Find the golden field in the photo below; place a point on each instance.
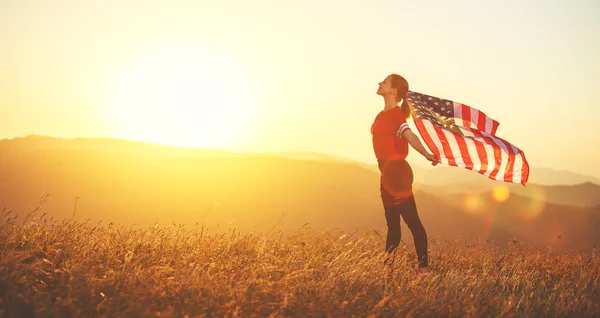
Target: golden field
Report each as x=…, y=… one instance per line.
x=70, y=268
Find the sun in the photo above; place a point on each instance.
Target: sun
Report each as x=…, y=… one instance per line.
x=186, y=98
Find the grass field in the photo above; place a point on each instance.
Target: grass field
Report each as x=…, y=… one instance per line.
x=69, y=268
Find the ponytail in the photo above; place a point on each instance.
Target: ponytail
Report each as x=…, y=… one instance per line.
x=401, y=86
x=405, y=108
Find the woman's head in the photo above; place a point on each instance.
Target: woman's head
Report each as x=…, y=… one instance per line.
x=396, y=87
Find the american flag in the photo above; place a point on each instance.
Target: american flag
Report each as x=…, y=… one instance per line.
x=465, y=137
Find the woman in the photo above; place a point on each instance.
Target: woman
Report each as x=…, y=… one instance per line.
x=391, y=137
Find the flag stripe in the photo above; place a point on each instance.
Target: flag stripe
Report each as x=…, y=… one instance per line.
x=458, y=111
x=474, y=118
x=428, y=140
x=497, y=151
x=517, y=169
x=524, y=168
x=472, y=148
x=466, y=116
x=508, y=172
x=464, y=151
x=519, y=163
x=481, y=122
x=489, y=124
x=445, y=145
x=481, y=153
x=487, y=167
x=495, y=125
x=455, y=147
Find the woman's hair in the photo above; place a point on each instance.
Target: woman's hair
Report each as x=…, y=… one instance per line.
x=401, y=86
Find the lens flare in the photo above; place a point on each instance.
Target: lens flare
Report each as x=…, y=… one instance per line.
x=501, y=193
x=474, y=204
x=536, y=204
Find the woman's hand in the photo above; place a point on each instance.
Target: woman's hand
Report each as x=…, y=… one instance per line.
x=431, y=157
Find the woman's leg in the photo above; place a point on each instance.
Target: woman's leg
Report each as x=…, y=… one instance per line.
x=398, y=200
x=408, y=209
x=392, y=218
x=392, y=215
x=394, y=185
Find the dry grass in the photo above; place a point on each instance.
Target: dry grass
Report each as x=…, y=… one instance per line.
x=69, y=268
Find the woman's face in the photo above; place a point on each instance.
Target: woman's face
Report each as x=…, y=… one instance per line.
x=385, y=87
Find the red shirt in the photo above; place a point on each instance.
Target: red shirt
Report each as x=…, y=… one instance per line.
x=386, y=144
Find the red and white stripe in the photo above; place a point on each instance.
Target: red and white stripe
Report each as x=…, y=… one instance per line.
x=404, y=127
x=478, y=149
x=471, y=117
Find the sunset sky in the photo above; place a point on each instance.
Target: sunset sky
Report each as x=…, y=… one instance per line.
x=272, y=75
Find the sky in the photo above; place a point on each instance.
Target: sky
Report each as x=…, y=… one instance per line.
x=272, y=75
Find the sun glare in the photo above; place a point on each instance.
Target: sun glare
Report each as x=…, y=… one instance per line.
x=501, y=193
x=474, y=204
x=184, y=98
x=536, y=204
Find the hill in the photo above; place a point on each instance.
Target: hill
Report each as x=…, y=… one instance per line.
x=445, y=175
x=579, y=195
x=128, y=183
x=536, y=222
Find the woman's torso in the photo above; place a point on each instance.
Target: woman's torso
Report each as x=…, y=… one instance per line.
x=386, y=145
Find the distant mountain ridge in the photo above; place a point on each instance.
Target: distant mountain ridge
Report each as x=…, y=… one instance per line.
x=438, y=176
x=100, y=183
x=544, y=176
x=580, y=195
x=138, y=148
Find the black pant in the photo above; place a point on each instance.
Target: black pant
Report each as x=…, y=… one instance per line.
x=408, y=210
x=398, y=200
